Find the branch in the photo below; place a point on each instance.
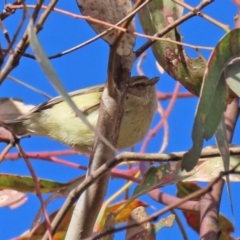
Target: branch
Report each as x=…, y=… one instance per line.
x=170, y=206
x=209, y=212
x=38, y=189
x=8, y=10
x=167, y=199
x=225, y=27
x=124, y=157
x=23, y=44
x=154, y=131
x=111, y=27
x=109, y=120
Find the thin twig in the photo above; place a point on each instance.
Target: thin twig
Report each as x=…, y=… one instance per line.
x=165, y=96
x=29, y=86
x=112, y=26
x=127, y=156
x=21, y=47
x=225, y=27
x=165, y=127
x=5, y=151
x=171, y=206
x=9, y=49
x=139, y=64
x=8, y=10
x=13, y=156
x=161, y=122
x=180, y=225
x=166, y=199
x=38, y=189
x=37, y=219
x=90, y=202
x=5, y=32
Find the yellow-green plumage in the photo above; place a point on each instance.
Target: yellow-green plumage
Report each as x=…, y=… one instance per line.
x=55, y=119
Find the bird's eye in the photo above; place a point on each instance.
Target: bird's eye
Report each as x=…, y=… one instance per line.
x=139, y=86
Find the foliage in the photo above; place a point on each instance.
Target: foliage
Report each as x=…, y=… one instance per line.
x=215, y=82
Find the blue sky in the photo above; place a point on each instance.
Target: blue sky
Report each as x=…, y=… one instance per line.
x=86, y=67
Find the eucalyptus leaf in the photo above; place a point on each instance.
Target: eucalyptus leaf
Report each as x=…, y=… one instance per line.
x=214, y=96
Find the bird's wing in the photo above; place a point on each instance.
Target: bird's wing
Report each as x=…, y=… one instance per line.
x=56, y=100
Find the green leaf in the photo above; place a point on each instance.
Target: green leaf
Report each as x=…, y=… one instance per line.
x=167, y=173
x=222, y=143
x=232, y=73
x=71, y=185
x=26, y=184
x=157, y=15
x=214, y=96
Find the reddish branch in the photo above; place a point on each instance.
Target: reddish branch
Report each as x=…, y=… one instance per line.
x=209, y=212
x=154, y=131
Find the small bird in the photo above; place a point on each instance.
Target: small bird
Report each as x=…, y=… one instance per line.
x=55, y=119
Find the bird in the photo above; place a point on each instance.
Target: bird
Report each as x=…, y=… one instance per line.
x=56, y=119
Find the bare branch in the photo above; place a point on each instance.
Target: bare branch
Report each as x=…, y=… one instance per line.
x=21, y=47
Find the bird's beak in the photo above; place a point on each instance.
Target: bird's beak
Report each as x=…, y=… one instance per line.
x=154, y=80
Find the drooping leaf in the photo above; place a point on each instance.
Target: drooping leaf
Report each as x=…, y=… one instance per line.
x=214, y=97
x=157, y=15
x=222, y=143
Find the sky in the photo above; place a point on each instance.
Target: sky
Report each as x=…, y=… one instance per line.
x=87, y=67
